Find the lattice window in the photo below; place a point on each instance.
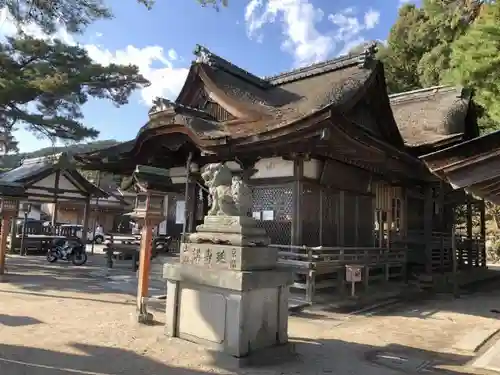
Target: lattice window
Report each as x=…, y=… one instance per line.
x=275, y=202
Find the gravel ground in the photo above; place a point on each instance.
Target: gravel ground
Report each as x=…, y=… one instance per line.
x=62, y=320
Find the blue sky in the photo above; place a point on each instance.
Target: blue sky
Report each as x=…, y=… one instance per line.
x=263, y=36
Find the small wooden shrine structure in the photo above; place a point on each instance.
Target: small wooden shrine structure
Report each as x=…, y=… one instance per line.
x=51, y=179
x=327, y=154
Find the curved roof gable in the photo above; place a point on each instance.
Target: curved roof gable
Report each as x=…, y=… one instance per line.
x=259, y=105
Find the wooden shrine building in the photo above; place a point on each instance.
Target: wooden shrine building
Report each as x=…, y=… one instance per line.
x=51, y=179
x=332, y=160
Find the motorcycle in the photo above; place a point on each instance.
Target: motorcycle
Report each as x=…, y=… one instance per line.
x=71, y=250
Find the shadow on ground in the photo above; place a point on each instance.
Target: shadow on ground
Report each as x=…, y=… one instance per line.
x=33, y=274
x=312, y=357
x=18, y=321
x=321, y=357
x=422, y=305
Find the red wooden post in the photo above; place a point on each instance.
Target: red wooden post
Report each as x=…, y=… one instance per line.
x=144, y=264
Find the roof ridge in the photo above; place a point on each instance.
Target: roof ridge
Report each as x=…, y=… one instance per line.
x=406, y=94
x=47, y=158
x=361, y=59
x=205, y=56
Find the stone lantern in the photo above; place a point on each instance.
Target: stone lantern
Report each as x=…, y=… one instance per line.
x=151, y=185
x=149, y=205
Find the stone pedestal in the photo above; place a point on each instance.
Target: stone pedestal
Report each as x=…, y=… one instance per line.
x=227, y=292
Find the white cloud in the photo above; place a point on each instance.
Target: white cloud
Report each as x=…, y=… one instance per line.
x=301, y=37
x=166, y=81
x=372, y=18
x=299, y=17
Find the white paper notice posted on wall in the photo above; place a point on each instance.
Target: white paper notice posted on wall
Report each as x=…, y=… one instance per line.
x=180, y=210
x=257, y=215
x=268, y=215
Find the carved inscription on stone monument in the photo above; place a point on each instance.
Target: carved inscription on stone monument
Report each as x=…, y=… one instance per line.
x=220, y=257
x=208, y=256
x=196, y=256
x=232, y=263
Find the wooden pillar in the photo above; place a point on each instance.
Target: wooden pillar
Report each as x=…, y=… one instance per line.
x=428, y=216
x=297, y=201
x=341, y=212
x=86, y=211
x=482, y=244
x=321, y=215
x=404, y=230
x=191, y=204
x=404, y=215
x=13, y=231
x=4, y=233
x=390, y=209
x=56, y=203
x=469, y=231
x=205, y=204
x=356, y=221
x=442, y=226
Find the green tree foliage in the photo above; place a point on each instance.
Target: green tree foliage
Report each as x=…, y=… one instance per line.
x=442, y=42
x=419, y=43
x=44, y=82
x=475, y=59
x=74, y=15
x=57, y=78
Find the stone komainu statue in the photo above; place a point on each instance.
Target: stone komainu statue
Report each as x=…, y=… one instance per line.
x=230, y=195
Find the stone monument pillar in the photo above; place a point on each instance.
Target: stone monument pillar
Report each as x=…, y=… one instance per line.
x=227, y=291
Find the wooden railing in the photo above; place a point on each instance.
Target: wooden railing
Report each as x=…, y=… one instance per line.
x=442, y=250
x=471, y=252
x=320, y=268
x=38, y=229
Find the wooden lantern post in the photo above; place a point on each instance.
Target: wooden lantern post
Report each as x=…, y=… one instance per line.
x=8, y=209
x=151, y=184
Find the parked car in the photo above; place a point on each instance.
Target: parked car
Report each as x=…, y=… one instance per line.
x=78, y=229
